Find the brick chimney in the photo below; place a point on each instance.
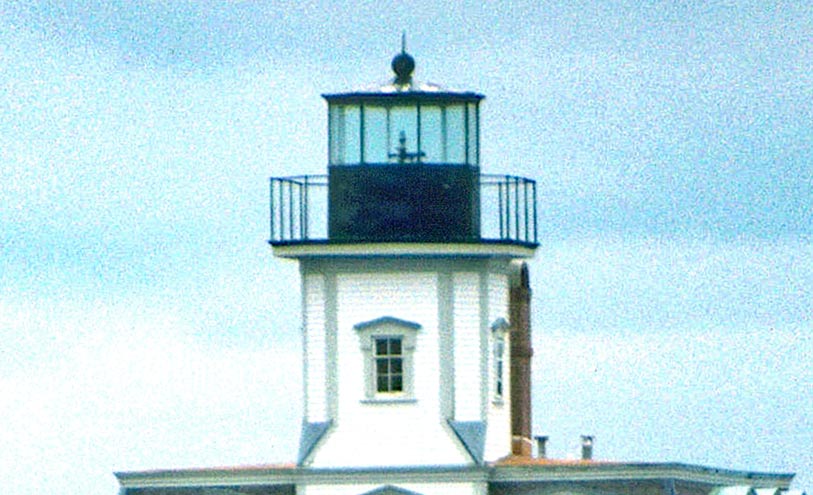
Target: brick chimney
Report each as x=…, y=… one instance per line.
x=587, y=447
x=521, y=352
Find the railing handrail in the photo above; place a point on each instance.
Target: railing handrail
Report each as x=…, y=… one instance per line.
x=291, y=202
x=302, y=179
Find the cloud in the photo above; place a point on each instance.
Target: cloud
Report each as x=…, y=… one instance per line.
x=138, y=391
x=145, y=322
x=662, y=283
x=724, y=397
x=675, y=350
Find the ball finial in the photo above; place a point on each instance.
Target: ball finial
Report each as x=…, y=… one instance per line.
x=403, y=64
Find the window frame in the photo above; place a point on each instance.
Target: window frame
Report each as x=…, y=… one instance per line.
x=380, y=328
x=393, y=379
x=500, y=331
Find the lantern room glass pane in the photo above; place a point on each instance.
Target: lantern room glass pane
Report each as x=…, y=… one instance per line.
x=375, y=134
x=473, y=137
x=456, y=133
x=335, y=133
x=345, y=142
x=432, y=134
x=352, y=149
x=403, y=125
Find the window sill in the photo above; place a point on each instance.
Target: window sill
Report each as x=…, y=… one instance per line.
x=499, y=402
x=390, y=400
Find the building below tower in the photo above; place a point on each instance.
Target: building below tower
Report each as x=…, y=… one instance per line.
x=416, y=309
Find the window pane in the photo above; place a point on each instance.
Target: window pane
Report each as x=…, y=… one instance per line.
x=456, y=134
x=389, y=365
x=352, y=135
x=395, y=347
x=336, y=131
x=344, y=134
x=432, y=135
x=375, y=135
x=403, y=124
x=472, y=135
x=499, y=356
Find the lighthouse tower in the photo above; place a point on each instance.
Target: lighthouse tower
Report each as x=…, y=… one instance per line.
x=405, y=298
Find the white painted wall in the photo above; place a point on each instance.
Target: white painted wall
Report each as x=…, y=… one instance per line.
x=391, y=434
x=314, y=348
x=497, y=296
x=498, y=433
x=415, y=433
x=467, y=353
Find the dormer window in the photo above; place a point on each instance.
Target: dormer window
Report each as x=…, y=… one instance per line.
x=387, y=346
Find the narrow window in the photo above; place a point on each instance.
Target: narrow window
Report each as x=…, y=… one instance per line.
x=499, y=336
x=389, y=365
x=499, y=359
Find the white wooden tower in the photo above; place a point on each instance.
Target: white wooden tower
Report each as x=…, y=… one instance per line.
x=405, y=296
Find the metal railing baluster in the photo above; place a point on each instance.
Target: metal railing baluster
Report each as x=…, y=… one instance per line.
x=292, y=201
x=508, y=207
x=271, y=207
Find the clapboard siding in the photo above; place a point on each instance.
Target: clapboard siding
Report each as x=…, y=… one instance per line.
x=365, y=297
x=497, y=296
x=314, y=348
x=388, y=434
x=467, y=354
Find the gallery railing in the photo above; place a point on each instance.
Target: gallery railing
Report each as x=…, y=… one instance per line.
x=299, y=209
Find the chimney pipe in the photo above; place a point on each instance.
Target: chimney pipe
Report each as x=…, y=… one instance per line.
x=541, y=447
x=519, y=312
x=587, y=447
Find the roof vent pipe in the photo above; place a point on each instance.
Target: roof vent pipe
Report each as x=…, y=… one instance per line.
x=587, y=447
x=541, y=447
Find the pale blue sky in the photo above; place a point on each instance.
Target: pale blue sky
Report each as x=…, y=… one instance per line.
x=146, y=323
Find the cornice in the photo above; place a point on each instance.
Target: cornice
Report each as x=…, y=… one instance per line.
x=284, y=475
x=553, y=471
x=599, y=471
x=336, y=250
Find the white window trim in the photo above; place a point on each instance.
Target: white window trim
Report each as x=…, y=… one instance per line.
x=388, y=327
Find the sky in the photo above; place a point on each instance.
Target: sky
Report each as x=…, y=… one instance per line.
x=146, y=323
